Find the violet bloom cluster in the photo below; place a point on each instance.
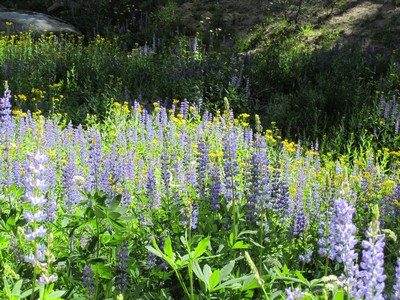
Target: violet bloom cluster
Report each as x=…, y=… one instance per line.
x=260, y=194
x=341, y=240
x=396, y=287
x=371, y=282
x=36, y=187
x=122, y=266
x=231, y=166
x=88, y=280
x=293, y=295
x=5, y=107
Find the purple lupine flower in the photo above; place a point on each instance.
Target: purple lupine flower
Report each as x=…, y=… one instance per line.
x=260, y=194
x=87, y=279
x=154, y=201
x=299, y=221
x=215, y=187
x=44, y=279
x=184, y=108
x=35, y=190
x=279, y=195
x=16, y=168
x=322, y=242
x=307, y=257
x=94, y=160
x=51, y=205
x=396, y=287
x=231, y=166
x=371, y=277
x=293, y=295
x=203, y=162
x=73, y=196
x=165, y=167
x=112, y=172
x=194, y=216
x=5, y=107
x=341, y=241
x=122, y=266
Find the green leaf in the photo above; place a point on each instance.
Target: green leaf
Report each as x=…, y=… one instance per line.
x=154, y=251
x=275, y=294
x=231, y=239
x=17, y=287
x=157, y=251
x=226, y=270
x=113, y=215
x=339, y=295
x=302, y=278
x=247, y=232
x=99, y=212
x=197, y=270
x=390, y=234
x=99, y=259
x=214, y=279
x=168, y=248
x=290, y=279
x=28, y=292
x=7, y=287
x=250, y=284
x=104, y=271
x=236, y=282
x=56, y=295
x=240, y=245
x=115, y=202
x=207, y=272
x=201, y=247
x=257, y=244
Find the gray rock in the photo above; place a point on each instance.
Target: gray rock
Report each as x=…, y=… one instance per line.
x=36, y=22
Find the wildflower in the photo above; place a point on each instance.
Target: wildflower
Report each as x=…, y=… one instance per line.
x=5, y=106
x=396, y=287
x=230, y=165
x=36, y=188
x=371, y=277
x=342, y=241
x=95, y=157
x=260, y=190
x=87, y=279
x=154, y=201
x=293, y=295
x=70, y=185
x=122, y=266
x=215, y=187
x=203, y=160
x=279, y=195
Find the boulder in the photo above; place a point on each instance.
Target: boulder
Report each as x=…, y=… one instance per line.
x=13, y=21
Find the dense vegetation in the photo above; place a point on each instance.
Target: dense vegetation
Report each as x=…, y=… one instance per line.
x=195, y=167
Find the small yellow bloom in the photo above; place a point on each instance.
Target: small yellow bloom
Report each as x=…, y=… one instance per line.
x=51, y=154
x=388, y=183
x=22, y=97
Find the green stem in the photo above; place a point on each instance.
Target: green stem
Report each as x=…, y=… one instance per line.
x=190, y=265
x=260, y=241
x=96, y=290
x=35, y=273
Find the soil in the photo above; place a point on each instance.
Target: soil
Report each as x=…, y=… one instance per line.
x=373, y=23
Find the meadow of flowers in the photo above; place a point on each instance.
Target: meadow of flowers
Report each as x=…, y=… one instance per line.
x=178, y=203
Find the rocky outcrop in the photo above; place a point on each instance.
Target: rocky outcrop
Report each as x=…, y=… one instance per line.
x=12, y=21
